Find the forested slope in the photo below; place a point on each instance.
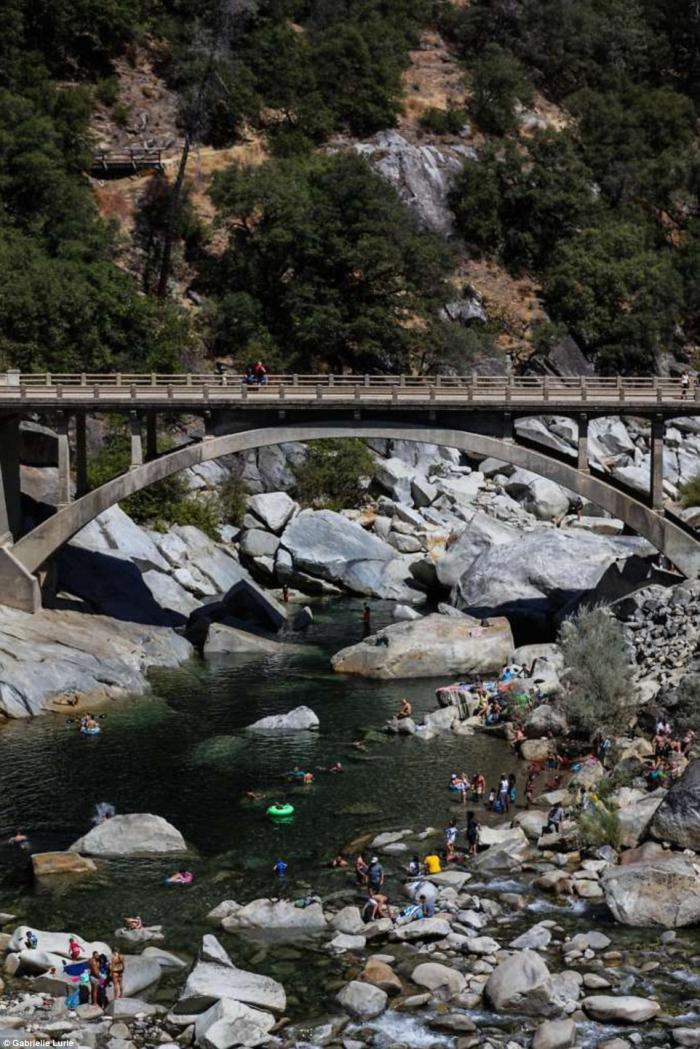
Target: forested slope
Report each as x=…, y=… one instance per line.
x=308, y=258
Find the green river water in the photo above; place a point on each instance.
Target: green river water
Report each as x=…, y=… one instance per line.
x=182, y=752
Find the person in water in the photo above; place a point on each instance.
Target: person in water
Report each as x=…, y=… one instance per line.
x=134, y=923
x=117, y=972
x=19, y=838
x=366, y=620
x=181, y=878
x=405, y=710
x=473, y=831
x=280, y=868
x=340, y=860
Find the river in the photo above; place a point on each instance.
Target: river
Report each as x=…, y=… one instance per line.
x=182, y=752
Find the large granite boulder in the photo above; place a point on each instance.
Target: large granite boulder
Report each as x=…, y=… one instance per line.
x=541, y=497
x=209, y=982
x=436, y=977
x=634, y=819
x=52, y=654
x=430, y=647
x=521, y=984
x=620, y=1008
x=46, y=864
x=133, y=834
x=274, y=509
x=225, y=640
x=330, y=546
x=364, y=1001
x=230, y=1023
x=301, y=719
x=664, y=891
x=56, y=943
x=275, y=916
x=481, y=533
x=677, y=819
x=539, y=573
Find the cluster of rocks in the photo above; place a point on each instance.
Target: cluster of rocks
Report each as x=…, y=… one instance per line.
x=621, y=447
x=662, y=627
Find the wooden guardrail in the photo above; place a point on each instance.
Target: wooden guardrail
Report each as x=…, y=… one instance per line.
x=105, y=161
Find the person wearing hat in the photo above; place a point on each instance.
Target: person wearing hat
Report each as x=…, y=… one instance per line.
x=375, y=875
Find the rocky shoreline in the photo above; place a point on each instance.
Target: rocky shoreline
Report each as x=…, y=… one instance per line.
x=521, y=949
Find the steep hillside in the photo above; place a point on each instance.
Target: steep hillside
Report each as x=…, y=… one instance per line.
x=545, y=158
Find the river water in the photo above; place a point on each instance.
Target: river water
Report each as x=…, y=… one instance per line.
x=182, y=752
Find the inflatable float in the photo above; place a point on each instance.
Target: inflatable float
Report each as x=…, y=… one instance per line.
x=280, y=813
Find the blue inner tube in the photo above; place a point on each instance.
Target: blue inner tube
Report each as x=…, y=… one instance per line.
x=91, y=731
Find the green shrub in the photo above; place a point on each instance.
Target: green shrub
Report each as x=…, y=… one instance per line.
x=121, y=114
x=233, y=496
x=443, y=121
x=333, y=473
x=107, y=90
x=498, y=82
x=598, y=826
x=162, y=504
x=690, y=492
x=598, y=676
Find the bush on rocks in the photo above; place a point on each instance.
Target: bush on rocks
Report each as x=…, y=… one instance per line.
x=598, y=674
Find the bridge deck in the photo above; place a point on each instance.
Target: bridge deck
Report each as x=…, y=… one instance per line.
x=189, y=390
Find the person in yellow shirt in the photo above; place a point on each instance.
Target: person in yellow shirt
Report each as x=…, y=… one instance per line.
x=432, y=863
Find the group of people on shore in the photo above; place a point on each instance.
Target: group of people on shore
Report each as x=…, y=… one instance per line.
x=669, y=750
x=93, y=977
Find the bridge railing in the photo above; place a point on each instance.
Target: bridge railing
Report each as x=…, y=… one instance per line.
x=181, y=385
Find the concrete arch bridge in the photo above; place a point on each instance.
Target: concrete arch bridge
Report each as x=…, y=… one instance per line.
x=473, y=414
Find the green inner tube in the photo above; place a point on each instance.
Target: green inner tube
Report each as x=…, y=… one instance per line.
x=280, y=811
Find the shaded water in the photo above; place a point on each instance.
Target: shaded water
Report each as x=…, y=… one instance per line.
x=182, y=752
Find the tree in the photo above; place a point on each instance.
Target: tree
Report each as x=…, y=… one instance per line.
x=498, y=82
x=599, y=690
x=325, y=263
x=618, y=293
x=334, y=473
x=520, y=202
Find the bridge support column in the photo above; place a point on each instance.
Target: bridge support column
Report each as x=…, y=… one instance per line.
x=82, y=486
x=582, y=454
x=10, y=505
x=507, y=426
x=63, y=460
x=151, y=436
x=657, y=462
x=136, y=442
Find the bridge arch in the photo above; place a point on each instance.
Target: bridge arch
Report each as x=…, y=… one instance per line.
x=33, y=549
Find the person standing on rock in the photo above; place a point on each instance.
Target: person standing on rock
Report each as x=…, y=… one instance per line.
x=375, y=875
x=94, y=969
x=361, y=869
x=117, y=972
x=450, y=839
x=473, y=830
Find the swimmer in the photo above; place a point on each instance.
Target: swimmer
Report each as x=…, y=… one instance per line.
x=405, y=710
x=339, y=861
x=18, y=838
x=180, y=878
x=252, y=795
x=134, y=923
x=280, y=868
x=336, y=768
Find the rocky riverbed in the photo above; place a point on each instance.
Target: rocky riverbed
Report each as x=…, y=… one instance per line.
x=522, y=949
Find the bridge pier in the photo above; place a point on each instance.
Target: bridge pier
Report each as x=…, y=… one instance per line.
x=657, y=462
x=82, y=485
x=64, y=493
x=136, y=441
x=151, y=436
x=10, y=502
x=582, y=444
